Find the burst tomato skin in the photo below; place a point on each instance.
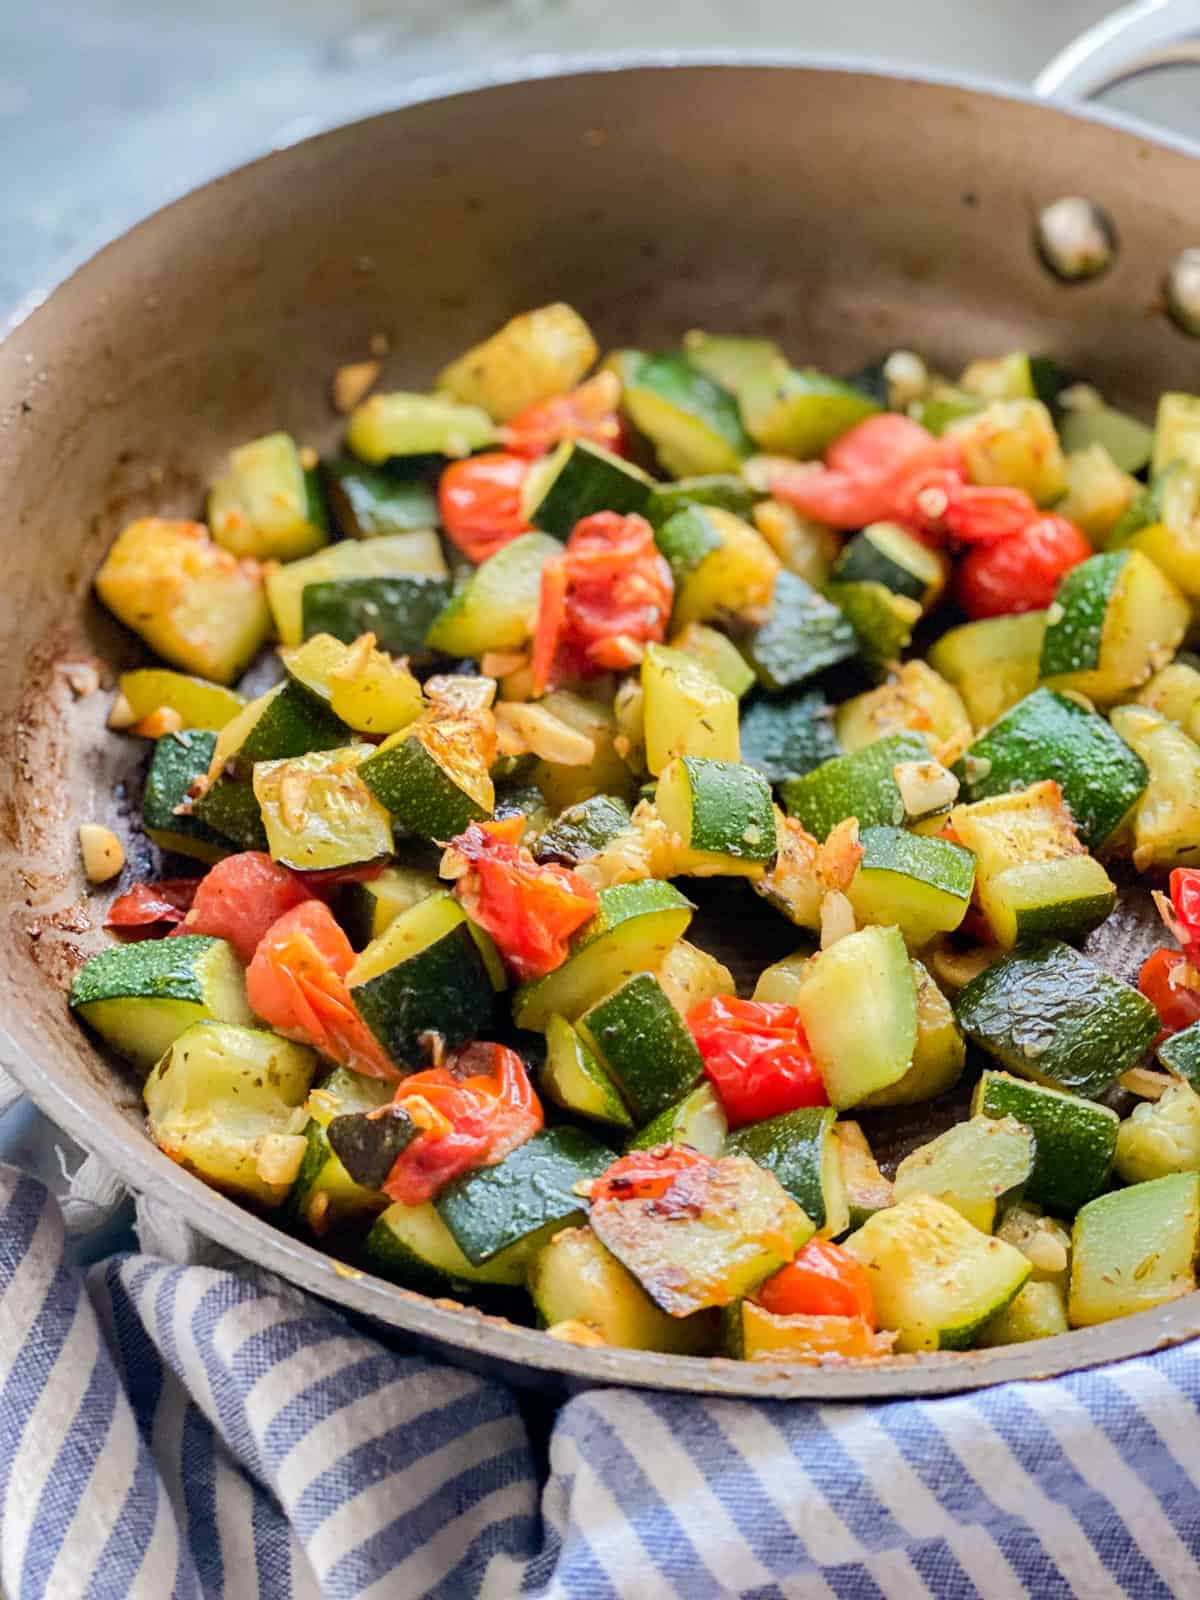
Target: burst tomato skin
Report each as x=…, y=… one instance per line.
x=646, y=1174
x=149, y=905
x=822, y=1281
x=605, y=597
x=297, y=984
x=473, y=1111
x=1022, y=571
x=530, y=910
x=756, y=1058
x=241, y=897
x=479, y=500
x=1176, y=1001
x=588, y=412
x=876, y=472
x=1185, y=907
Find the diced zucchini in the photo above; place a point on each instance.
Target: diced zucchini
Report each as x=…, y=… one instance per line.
x=1115, y=621
x=693, y=423
x=324, y=1194
x=999, y=378
x=288, y=720
x=1166, y=820
x=939, y=1055
x=936, y=1279
x=533, y=357
x=861, y=785
x=370, y=503
x=582, y=831
x=779, y=984
x=575, y=1080
x=398, y=611
x=1038, y=1311
x=804, y=546
x=221, y=1102
x=432, y=776
x=1176, y=431
x=363, y=686
x=1013, y=442
x=635, y=926
x=686, y=712
x=423, y=984
x=582, y=478
x=1035, y=879
x=228, y=809
x=719, y=1230
x=800, y=1149
x=944, y=405
x=403, y=424
x=643, y=1045
x=264, y=505
x=318, y=813
x=993, y=663
x=402, y=555
x=730, y=359
x=697, y=1121
x=1134, y=1249
x=971, y=1166
x=858, y=1005
x=1160, y=1136
x=1174, y=692
x=1076, y=1138
x=922, y=886
x=140, y=997
x=1163, y=523
x=1049, y=1014
x=179, y=761
x=412, y=1246
x=797, y=412
x=367, y=909
x=496, y=608
x=883, y=622
x=199, y=704
x=914, y=698
x=788, y=736
x=867, y=1190
x=537, y=1186
x=575, y=1279
x=886, y=553
x=1050, y=735
x=690, y=976
x=194, y=604
x=369, y=1144
x=1098, y=492
x=803, y=634
x=1180, y=1054
x=717, y=654
x=722, y=814
x=721, y=566
x=605, y=773
x=751, y=1333
x=1126, y=441
x=726, y=490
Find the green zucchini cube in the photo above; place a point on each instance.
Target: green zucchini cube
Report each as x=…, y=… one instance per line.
x=643, y=1044
x=1134, y=1249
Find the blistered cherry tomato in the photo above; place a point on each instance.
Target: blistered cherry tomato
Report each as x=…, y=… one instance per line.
x=756, y=1058
x=822, y=1281
x=149, y=905
x=241, y=897
x=1021, y=572
x=1166, y=980
x=480, y=502
x=646, y=1174
x=589, y=412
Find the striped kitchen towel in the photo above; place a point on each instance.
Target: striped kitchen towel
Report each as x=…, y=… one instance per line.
x=186, y=1432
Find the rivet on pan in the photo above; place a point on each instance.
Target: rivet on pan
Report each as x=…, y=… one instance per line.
x=1075, y=238
x=1181, y=289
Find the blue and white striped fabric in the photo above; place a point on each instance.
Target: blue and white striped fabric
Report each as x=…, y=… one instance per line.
x=182, y=1432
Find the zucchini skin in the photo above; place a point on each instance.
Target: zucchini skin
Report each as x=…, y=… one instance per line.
x=1049, y=1014
x=793, y=1147
x=788, y=736
x=178, y=760
x=1076, y=1138
x=644, y=1045
x=725, y=490
x=443, y=988
x=153, y=969
x=804, y=634
x=398, y=611
x=859, y=785
x=582, y=831
x=587, y=479
x=370, y=503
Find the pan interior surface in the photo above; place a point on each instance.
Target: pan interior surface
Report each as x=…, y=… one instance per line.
x=842, y=213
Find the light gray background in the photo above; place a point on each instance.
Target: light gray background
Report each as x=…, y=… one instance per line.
x=109, y=108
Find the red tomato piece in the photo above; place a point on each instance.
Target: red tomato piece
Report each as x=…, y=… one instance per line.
x=1021, y=572
x=646, y=1174
x=146, y=904
x=756, y=1058
x=297, y=984
x=530, y=910
x=589, y=412
x=241, y=897
x=480, y=502
x=608, y=596
x=877, y=444
x=977, y=513
x=1172, y=986
x=472, y=1111
x=1185, y=909
x=874, y=473
x=822, y=1281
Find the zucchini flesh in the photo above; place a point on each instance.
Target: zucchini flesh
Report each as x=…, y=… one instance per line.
x=324, y=1194
x=939, y=1055
x=1076, y=1138
x=1038, y=1311
x=882, y=622
x=1013, y=442
x=574, y=1278
x=800, y=1149
x=1127, y=442
x=722, y=814
x=861, y=785
x=693, y=424
x=412, y=1246
x=574, y=1079
x=686, y=712
x=797, y=412
x=803, y=635
x=993, y=663
x=533, y=357
x=690, y=976
x=721, y=566
x=1047, y=1013
x=1174, y=692
x=1160, y=1136
x=698, y=1121
x=858, y=1004
x=717, y=654
x=199, y=704
x=1176, y=431
x=368, y=909
x=402, y=555
x=867, y=1190
x=643, y=1045
x=887, y=553
x=1098, y=493
x=261, y=506
x=728, y=491
x=496, y=608
x=1166, y=821
x=922, y=886
x=1134, y=1249
x=318, y=813
x=219, y=1095
x=402, y=424
x=1116, y=619
x=914, y=698
x=972, y=1166
x=935, y=1279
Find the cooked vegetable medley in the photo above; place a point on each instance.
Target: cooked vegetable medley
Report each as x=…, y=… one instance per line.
x=903, y=657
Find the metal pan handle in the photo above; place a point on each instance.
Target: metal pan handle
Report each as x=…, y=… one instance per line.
x=1138, y=38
